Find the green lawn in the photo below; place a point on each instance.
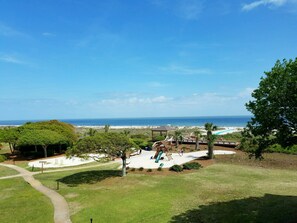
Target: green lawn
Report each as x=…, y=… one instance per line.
x=218, y=193
x=20, y=203
x=5, y=171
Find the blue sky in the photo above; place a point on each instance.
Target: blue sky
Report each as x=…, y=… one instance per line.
x=148, y=58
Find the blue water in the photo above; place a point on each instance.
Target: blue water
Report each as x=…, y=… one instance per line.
x=226, y=121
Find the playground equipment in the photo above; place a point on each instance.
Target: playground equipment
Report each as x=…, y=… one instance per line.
x=159, y=156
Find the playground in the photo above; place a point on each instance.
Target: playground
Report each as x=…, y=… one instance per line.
x=146, y=158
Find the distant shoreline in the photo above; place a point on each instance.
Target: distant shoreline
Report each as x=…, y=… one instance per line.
x=189, y=122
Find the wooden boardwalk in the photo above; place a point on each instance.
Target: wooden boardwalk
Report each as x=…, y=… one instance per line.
x=216, y=143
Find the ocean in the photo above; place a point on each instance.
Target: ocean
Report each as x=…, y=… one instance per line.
x=222, y=121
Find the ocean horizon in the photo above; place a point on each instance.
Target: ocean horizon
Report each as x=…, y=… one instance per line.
x=222, y=121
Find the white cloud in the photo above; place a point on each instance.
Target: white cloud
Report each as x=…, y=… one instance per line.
x=135, y=100
x=185, y=9
x=157, y=84
x=247, y=92
x=11, y=59
x=183, y=70
x=255, y=4
x=9, y=31
x=48, y=34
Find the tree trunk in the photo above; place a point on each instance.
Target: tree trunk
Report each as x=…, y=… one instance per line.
x=45, y=151
x=210, y=150
x=197, y=145
x=60, y=148
x=11, y=148
x=176, y=143
x=124, y=166
x=35, y=148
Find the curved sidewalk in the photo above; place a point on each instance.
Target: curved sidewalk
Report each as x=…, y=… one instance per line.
x=61, y=209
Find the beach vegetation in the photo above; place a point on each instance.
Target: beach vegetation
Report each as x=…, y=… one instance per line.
x=274, y=107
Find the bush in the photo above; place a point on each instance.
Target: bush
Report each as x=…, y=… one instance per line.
x=133, y=169
x=149, y=170
x=159, y=138
x=176, y=168
x=2, y=158
x=159, y=168
x=141, y=169
x=277, y=148
x=190, y=166
x=127, y=168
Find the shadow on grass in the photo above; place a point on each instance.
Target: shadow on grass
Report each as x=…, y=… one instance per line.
x=89, y=177
x=270, y=208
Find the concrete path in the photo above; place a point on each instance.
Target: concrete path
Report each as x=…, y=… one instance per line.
x=61, y=209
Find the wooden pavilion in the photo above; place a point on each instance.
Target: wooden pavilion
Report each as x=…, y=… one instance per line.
x=162, y=130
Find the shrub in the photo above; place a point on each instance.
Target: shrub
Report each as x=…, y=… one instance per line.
x=277, y=148
x=133, y=169
x=176, y=168
x=149, y=170
x=159, y=138
x=127, y=168
x=190, y=166
x=2, y=158
x=159, y=168
x=141, y=169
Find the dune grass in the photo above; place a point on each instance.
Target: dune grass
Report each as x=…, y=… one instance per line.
x=19, y=202
x=218, y=193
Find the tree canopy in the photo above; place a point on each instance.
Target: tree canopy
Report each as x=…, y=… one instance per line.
x=274, y=107
x=112, y=144
x=42, y=138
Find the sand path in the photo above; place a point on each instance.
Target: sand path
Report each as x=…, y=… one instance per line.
x=61, y=209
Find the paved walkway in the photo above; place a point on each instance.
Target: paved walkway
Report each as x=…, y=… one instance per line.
x=61, y=209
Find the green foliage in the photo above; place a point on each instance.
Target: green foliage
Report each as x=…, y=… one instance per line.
x=139, y=136
x=176, y=168
x=2, y=158
x=279, y=149
x=64, y=129
x=274, y=107
x=141, y=169
x=141, y=143
x=235, y=136
x=10, y=135
x=159, y=138
x=159, y=168
x=190, y=166
x=110, y=143
x=149, y=170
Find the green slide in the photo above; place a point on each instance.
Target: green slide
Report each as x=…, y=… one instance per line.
x=159, y=157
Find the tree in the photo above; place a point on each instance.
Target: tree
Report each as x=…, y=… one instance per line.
x=197, y=134
x=65, y=129
x=209, y=127
x=112, y=144
x=274, y=107
x=177, y=136
x=91, y=132
x=10, y=135
x=42, y=138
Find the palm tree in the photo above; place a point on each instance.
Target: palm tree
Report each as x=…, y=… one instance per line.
x=177, y=136
x=197, y=134
x=209, y=127
x=106, y=128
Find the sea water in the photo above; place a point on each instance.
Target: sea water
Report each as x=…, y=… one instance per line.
x=224, y=121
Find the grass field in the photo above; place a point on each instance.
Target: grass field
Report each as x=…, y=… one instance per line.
x=218, y=193
x=4, y=171
x=19, y=203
